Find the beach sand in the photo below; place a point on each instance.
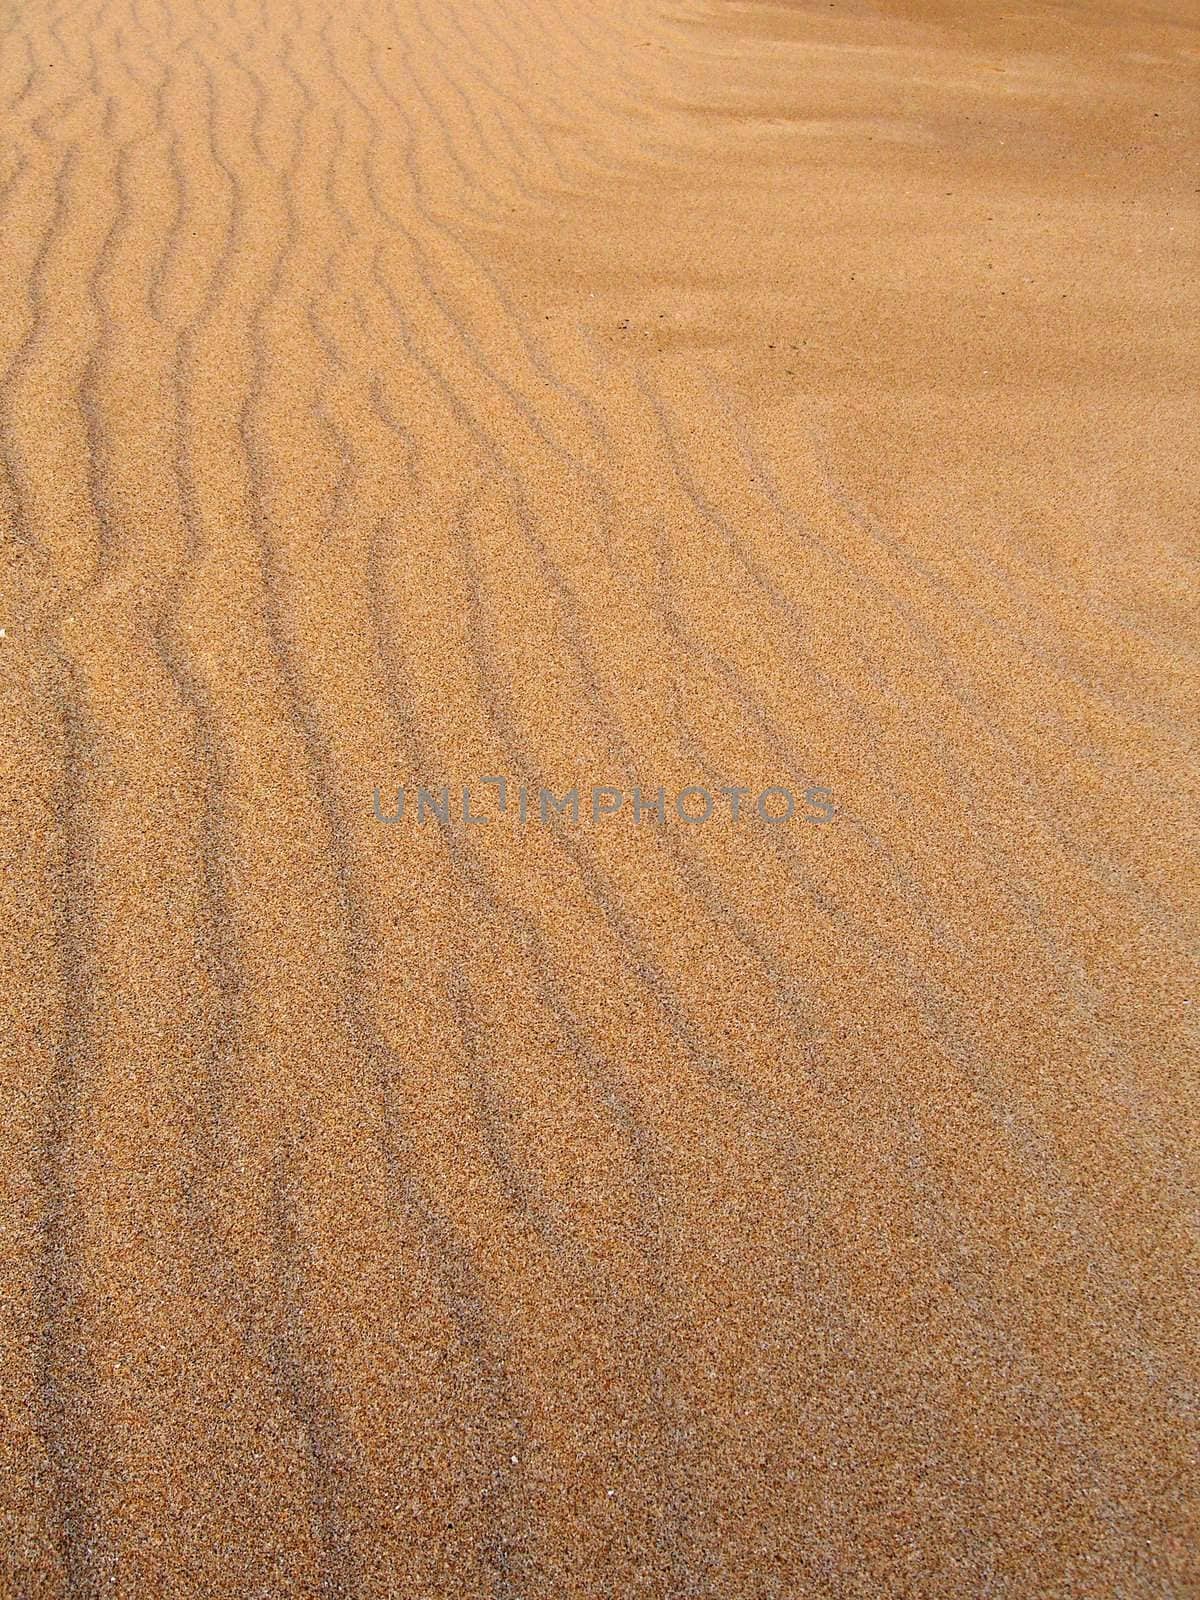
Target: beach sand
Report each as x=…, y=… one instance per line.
x=714, y=394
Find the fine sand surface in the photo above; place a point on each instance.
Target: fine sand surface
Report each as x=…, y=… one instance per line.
x=656, y=392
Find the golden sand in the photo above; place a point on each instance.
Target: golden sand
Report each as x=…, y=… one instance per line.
x=718, y=392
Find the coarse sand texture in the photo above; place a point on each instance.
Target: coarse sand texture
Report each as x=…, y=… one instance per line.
x=433, y=1164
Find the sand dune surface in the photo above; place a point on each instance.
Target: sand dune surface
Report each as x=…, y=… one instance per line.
x=765, y=403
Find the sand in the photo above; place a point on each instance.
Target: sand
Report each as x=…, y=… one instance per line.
x=720, y=393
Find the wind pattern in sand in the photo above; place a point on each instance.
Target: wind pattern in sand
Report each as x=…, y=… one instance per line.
x=399, y=392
